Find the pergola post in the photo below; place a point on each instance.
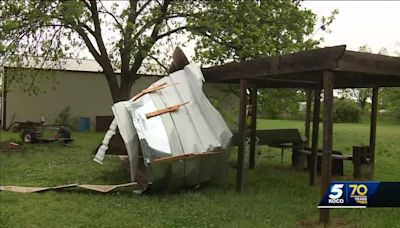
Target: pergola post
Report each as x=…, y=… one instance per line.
x=312, y=168
x=4, y=104
x=253, y=128
x=308, y=116
x=242, y=135
x=328, y=77
x=374, y=118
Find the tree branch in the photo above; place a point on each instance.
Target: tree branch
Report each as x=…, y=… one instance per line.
x=171, y=32
x=103, y=58
x=119, y=25
x=141, y=8
x=88, y=43
x=159, y=63
x=85, y=26
x=140, y=55
x=215, y=38
x=97, y=29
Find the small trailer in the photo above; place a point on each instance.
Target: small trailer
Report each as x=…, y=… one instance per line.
x=39, y=132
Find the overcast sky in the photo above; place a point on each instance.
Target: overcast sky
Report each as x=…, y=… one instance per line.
x=374, y=23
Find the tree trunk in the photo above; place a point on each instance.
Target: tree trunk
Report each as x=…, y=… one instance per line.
x=123, y=92
x=363, y=104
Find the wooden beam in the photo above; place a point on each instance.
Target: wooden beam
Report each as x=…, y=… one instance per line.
x=369, y=63
x=344, y=79
x=279, y=84
x=302, y=81
x=242, y=136
x=312, y=168
x=374, y=118
x=272, y=136
x=253, y=128
x=308, y=116
x=336, y=156
x=306, y=61
x=327, y=141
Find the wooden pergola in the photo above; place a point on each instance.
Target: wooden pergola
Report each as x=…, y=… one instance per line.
x=316, y=70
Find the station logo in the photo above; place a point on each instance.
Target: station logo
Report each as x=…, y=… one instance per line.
x=359, y=193
x=336, y=195
x=353, y=194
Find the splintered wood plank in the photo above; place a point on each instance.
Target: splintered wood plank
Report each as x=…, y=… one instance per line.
x=183, y=157
x=151, y=89
x=22, y=189
x=104, y=188
x=165, y=110
x=64, y=186
x=179, y=61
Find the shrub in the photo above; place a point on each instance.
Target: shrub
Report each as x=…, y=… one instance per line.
x=346, y=110
x=63, y=117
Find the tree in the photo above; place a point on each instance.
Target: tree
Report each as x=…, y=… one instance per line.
x=55, y=29
x=242, y=30
x=361, y=95
x=389, y=97
x=122, y=36
x=247, y=30
x=275, y=102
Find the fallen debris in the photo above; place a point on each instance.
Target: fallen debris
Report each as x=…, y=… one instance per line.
x=97, y=188
x=9, y=146
x=174, y=137
x=104, y=188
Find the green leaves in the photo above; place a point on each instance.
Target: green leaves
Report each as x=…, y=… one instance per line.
x=241, y=30
x=71, y=11
x=8, y=26
x=228, y=31
x=389, y=100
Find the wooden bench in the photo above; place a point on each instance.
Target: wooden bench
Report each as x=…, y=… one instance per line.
x=291, y=138
x=335, y=154
x=277, y=138
x=337, y=160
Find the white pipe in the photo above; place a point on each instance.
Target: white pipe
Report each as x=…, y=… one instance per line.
x=103, y=148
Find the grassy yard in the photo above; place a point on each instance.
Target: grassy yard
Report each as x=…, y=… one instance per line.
x=275, y=195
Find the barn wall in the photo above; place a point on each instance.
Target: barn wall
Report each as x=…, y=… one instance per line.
x=86, y=93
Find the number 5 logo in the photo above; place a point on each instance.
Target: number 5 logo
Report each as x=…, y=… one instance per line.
x=336, y=191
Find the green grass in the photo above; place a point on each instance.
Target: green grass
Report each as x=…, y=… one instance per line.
x=275, y=195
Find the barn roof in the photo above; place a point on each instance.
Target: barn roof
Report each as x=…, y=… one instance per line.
x=305, y=70
x=76, y=65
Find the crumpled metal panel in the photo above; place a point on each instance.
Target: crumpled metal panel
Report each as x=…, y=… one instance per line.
x=196, y=128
